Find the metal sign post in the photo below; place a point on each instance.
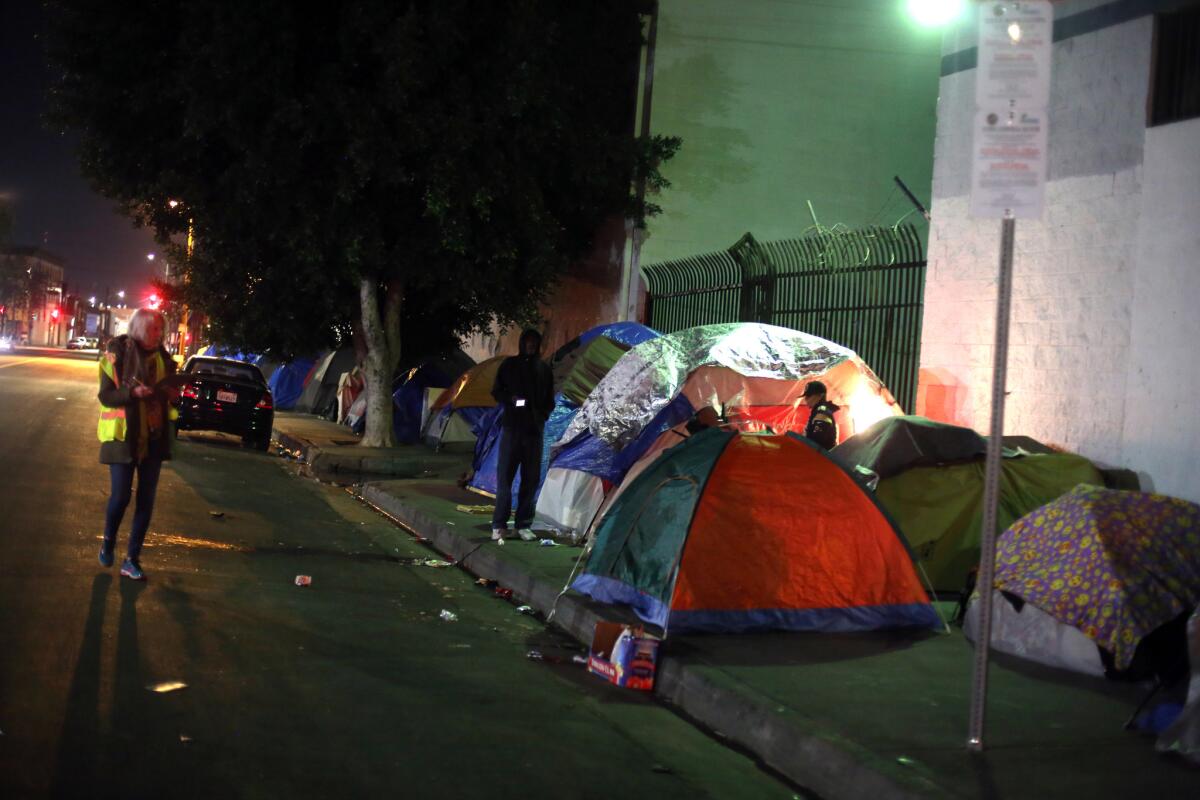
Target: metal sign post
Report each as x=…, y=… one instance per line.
x=991, y=488
x=1012, y=91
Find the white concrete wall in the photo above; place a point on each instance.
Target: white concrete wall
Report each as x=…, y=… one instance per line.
x=1081, y=273
x=1162, y=405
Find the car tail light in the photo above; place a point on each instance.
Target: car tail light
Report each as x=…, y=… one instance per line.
x=190, y=392
x=265, y=402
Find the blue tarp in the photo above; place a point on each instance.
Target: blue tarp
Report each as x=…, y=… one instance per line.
x=287, y=382
x=487, y=445
x=590, y=454
x=216, y=351
x=630, y=333
x=408, y=398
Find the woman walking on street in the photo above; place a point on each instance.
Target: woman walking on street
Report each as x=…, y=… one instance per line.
x=137, y=414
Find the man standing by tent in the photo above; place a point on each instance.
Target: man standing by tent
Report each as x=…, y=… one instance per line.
x=524, y=388
x=821, y=427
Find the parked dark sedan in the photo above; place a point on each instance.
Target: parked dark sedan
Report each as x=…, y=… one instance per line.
x=219, y=394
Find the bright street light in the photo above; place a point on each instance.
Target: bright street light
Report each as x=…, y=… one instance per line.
x=149, y=256
x=91, y=301
x=934, y=12
x=121, y=294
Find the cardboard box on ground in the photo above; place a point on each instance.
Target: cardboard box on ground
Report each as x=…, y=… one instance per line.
x=624, y=655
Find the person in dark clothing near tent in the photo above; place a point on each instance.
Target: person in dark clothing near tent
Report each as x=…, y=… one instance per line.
x=822, y=427
x=524, y=388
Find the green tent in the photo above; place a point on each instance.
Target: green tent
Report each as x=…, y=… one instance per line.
x=939, y=509
x=894, y=444
x=590, y=363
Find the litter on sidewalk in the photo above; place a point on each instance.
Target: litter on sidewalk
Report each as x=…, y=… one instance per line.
x=436, y=563
x=476, y=509
x=303, y=580
x=166, y=686
x=538, y=655
x=448, y=615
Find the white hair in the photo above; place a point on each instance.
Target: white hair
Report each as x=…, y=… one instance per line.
x=141, y=320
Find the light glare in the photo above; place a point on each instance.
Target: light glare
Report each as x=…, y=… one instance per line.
x=934, y=12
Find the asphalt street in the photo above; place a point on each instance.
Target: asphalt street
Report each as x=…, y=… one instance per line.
x=354, y=686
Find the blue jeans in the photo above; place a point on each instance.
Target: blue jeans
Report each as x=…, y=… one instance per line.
x=118, y=501
x=523, y=450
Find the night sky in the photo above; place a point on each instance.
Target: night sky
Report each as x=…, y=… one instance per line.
x=52, y=205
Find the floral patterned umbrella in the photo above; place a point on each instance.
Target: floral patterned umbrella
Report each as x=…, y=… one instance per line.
x=1114, y=564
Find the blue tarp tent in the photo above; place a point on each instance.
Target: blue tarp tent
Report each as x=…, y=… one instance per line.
x=287, y=382
x=408, y=399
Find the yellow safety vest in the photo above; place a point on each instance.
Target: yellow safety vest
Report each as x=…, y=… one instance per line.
x=111, y=427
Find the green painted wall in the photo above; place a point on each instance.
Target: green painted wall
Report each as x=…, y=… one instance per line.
x=783, y=101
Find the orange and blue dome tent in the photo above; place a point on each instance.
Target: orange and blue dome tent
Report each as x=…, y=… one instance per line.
x=730, y=532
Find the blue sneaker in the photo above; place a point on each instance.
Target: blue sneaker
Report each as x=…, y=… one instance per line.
x=131, y=569
x=106, y=555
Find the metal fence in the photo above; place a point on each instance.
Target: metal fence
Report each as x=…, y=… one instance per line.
x=861, y=288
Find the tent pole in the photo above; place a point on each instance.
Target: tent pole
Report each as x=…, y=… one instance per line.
x=991, y=486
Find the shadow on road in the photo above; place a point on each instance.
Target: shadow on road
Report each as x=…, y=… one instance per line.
x=79, y=750
x=90, y=744
x=128, y=711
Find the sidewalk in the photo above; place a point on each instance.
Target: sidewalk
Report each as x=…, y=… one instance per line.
x=332, y=451
x=845, y=716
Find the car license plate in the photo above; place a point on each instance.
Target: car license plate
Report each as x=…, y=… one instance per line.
x=226, y=397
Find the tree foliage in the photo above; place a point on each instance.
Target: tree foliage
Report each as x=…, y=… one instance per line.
x=384, y=166
x=463, y=149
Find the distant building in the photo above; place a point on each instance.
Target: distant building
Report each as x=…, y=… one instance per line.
x=33, y=310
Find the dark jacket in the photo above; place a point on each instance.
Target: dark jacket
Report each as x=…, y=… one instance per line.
x=121, y=396
x=821, y=427
x=525, y=388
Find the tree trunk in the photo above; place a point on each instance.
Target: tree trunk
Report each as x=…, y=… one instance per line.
x=382, y=335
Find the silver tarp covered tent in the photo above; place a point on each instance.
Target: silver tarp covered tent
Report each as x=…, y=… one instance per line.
x=650, y=375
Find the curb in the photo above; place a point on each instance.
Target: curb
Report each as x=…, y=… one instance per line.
x=342, y=464
x=306, y=448
x=833, y=768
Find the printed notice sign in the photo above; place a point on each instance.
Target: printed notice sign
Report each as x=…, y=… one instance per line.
x=1014, y=54
x=1009, y=165
x=1012, y=93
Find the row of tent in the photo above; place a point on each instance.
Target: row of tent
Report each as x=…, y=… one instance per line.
x=623, y=393
x=311, y=385
x=625, y=396
x=678, y=457
x=855, y=539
